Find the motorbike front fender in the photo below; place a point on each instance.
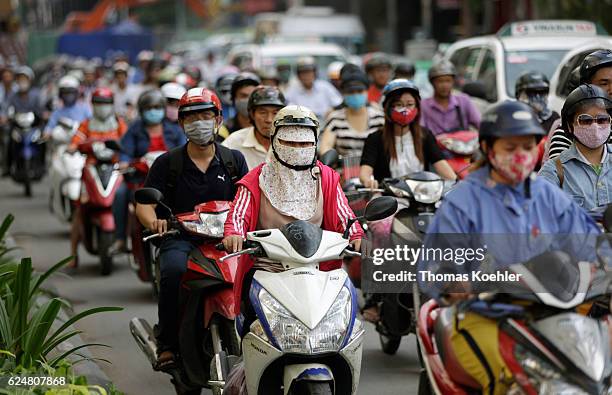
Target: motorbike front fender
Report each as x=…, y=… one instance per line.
x=105, y=221
x=306, y=371
x=221, y=302
x=72, y=189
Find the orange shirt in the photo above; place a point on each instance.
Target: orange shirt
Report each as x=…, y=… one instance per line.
x=83, y=134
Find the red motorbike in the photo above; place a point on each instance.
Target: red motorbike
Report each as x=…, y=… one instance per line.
x=100, y=180
x=458, y=148
x=142, y=252
x=208, y=342
x=552, y=332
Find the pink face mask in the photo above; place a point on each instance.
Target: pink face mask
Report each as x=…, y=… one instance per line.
x=516, y=166
x=403, y=116
x=592, y=136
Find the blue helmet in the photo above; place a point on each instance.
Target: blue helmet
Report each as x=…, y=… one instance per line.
x=398, y=86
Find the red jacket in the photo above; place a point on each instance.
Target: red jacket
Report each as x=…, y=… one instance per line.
x=244, y=212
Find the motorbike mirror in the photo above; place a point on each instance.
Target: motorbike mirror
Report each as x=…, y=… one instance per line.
x=607, y=219
x=329, y=158
x=113, y=145
x=148, y=196
x=380, y=208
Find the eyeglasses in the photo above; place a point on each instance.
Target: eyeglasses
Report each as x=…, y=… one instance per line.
x=587, y=120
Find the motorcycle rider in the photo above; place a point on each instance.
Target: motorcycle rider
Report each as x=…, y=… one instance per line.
x=347, y=128
x=405, y=70
x=242, y=87
x=309, y=91
x=223, y=87
x=291, y=185
x=151, y=132
x=173, y=93
x=378, y=69
x=501, y=189
x=596, y=69
x=532, y=88
x=584, y=170
x=447, y=110
x=73, y=108
x=103, y=125
x=254, y=141
x=199, y=171
x=402, y=145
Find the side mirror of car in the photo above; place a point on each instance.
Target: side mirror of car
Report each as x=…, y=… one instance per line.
x=475, y=89
x=329, y=158
x=148, y=196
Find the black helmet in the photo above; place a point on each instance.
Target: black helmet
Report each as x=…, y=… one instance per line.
x=593, y=62
x=377, y=59
x=354, y=79
x=574, y=79
x=531, y=80
x=580, y=94
x=266, y=96
x=509, y=118
x=243, y=79
x=444, y=67
x=151, y=98
x=404, y=69
x=398, y=86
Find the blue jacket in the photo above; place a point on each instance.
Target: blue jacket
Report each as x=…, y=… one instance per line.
x=512, y=227
x=135, y=142
x=590, y=190
x=78, y=112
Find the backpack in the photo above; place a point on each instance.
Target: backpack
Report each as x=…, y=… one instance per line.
x=175, y=156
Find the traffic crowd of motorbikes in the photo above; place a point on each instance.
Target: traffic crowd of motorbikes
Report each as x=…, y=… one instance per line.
x=247, y=199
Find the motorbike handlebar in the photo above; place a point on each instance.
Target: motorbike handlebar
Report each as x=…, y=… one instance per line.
x=156, y=235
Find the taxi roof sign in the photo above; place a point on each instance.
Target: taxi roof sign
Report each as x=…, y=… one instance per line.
x=551, y=28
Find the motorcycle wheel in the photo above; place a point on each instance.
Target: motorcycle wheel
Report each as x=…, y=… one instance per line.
x=424, y=385
x=311, y=388
x=185, y=392
x=27, y=184
x=106, y=260
x=389, y=344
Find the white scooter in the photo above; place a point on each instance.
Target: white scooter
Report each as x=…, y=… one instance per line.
x=66, y=170
x=306, y=338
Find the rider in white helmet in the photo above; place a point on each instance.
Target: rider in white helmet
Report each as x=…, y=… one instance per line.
x=72, y=108
x=173, y=92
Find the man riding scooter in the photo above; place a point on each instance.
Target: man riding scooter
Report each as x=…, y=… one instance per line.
x=197, y=172
x=152, y=132
x=103, y=125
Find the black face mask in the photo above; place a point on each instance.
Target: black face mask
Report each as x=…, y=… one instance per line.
x=69, y=99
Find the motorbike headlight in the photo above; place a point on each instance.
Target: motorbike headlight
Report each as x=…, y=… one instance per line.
x=25, y=119
x=460, y=147
x=426, y=191
x=558, y=387
x=209, y=224
x=399, y=192
x=101, y=152
x=293, y=336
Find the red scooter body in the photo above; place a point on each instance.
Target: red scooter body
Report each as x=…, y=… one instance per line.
x=100, y=181
x=458, y=148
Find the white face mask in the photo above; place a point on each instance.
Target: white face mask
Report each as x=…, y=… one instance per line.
x=295, y=156
x=201, y=132
x=102, y=111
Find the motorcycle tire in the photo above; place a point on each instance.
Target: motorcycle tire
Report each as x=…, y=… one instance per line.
x=424, y=384
x=311, y=388
x=180, y=391
x=27, y=183
x=389, y=344
x=105, y=240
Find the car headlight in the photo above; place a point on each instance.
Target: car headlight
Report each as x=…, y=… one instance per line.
x=426, y=191
x=209, y=224
x=292, y=335
x=460, y=147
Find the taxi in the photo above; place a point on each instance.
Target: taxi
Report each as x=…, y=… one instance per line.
x=488, y=66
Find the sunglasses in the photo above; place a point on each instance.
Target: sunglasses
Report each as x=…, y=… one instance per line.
x=587, y=120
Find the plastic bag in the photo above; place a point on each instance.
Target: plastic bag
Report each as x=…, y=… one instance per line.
x=236, y=381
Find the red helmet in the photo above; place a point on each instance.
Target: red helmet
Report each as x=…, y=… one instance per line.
x=199, y=99
x=102, y=95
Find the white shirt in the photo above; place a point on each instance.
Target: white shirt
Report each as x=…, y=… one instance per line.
x=244, y=141
x=407, y=161
x=320, y=99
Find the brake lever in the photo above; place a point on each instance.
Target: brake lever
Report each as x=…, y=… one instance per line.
x=249, y=251
x=156, y=235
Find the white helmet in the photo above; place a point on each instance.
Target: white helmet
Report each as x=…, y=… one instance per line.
x=68, y=82
x=173, y=91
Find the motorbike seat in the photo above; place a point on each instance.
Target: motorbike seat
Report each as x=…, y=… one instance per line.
x=443, y=329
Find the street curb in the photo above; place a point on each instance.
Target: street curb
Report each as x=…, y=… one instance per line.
x=88, y=368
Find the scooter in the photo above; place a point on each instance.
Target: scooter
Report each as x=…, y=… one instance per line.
x=142, y=254
x=99, y=184
x=208, y=342
x=549, y=347
x=27, y=151
x=306, y=338
x=65, y=172
x=458, y=148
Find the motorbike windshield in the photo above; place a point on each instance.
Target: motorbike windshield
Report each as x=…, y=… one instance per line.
x=303, y=236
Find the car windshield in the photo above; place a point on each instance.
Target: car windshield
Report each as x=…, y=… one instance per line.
x=518, y=62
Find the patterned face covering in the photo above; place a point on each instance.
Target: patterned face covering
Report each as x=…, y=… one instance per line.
x=516, y=166
x=291, y=192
